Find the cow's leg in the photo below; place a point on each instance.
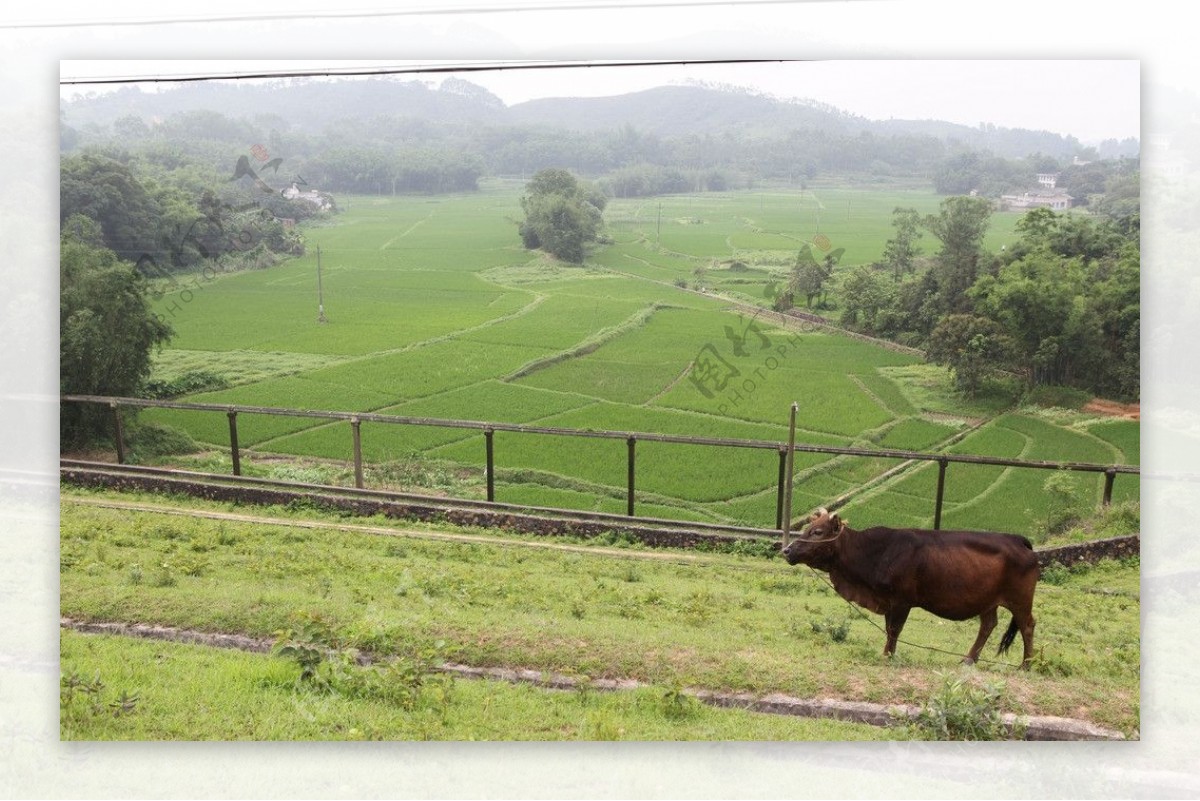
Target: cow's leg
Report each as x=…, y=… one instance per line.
x=1027, y=624
x=987, y=622
x=894, y=619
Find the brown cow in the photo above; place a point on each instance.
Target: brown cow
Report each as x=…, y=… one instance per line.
x=953, y=574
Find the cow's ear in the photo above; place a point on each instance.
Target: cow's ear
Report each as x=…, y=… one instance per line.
x=836, y=522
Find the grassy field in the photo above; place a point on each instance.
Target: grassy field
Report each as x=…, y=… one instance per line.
x=255, y=697
x=435, y=310
x=668, y=619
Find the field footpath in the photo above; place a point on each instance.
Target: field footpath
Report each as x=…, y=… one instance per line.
x=641, y=528
x=1037, y=727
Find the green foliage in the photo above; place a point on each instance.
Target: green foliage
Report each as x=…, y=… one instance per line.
x=1057, y=397
x=901, y=251
x=106, y=333
x=1065, y=507
x=561, y=214
x=974, y=348
x=83, y=701
x=963, y=708
x=149, y=441
x=186, y=384
x=960, y=224
x=837, y=629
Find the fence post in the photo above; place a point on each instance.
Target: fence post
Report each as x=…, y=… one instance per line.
x=941, y=487
x=789, y=478
x=120, y=432
x=632, y=443
x=779, y=490
x=1109, y=475
x=490, y=470
x=233, y=442
x=356, y=430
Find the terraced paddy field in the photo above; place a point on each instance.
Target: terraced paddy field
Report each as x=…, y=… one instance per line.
x=435, y=310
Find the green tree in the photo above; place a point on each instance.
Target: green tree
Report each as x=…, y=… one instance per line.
x=974, y=348
x=960, y=224
x=864, y=293
x=106, y=331
x=901, y=251
x=107, y=191
x=809, y=276
x=562, y=214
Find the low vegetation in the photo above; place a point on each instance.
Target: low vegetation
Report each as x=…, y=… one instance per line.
x=740, y=623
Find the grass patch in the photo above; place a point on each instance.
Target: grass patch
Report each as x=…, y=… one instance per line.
x=168, y=691
x=712, y=623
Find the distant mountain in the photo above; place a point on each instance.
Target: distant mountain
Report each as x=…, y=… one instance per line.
x=668, y=112
x=672, y=111
x=307, y=104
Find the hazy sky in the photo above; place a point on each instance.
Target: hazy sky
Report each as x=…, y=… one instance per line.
x=1090, y=99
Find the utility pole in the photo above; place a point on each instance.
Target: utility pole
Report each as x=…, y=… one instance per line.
x=320, y=295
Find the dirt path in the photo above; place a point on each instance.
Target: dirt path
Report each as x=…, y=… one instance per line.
x=1127, y=411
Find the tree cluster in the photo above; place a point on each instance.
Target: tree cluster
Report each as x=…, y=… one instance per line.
x=1061, y=307
x=170, y=220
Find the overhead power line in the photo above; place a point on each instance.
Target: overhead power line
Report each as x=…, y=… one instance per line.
x=405, y=70
x=426, y=11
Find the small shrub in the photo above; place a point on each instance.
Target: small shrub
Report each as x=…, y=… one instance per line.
x=1055, y=573
x=81, y=699
x=1065, y=507
x=188, y=383
x=963, y=709
x=148, y=441
x=1050, y=664
x=675, y=704
x=838, y=630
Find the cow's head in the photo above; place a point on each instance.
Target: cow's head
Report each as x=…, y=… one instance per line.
x=817, y=542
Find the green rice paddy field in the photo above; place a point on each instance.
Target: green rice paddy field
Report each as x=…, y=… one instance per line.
x=435, y=310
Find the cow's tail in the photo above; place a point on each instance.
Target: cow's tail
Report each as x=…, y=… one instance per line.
x=1009, y=636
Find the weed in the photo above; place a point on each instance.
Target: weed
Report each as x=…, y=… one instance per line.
x=603, y=727
x=80, y=700
x=164, y=576
x=1055, y=573
x=837, y=630
x=676, y=704
x=135, y=574
x=1050, y=664
x=963, y=709
x=698, y=607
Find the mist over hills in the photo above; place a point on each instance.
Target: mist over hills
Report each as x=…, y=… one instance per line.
x=312, y=106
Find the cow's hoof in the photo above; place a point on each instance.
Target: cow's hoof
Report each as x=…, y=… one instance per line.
x=968, y=661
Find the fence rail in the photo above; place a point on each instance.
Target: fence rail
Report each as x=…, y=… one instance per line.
x=355, y=419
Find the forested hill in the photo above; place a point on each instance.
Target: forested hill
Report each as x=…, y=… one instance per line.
x=669, y=111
